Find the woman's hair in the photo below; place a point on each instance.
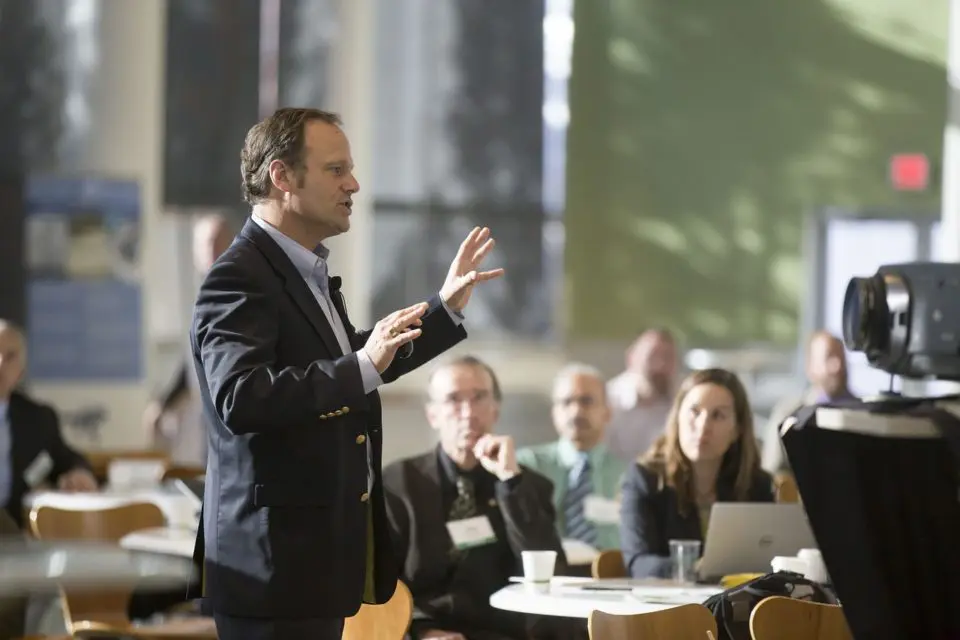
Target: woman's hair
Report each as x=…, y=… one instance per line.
x=740, y=463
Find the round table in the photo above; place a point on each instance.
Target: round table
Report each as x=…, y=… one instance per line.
x=567, y=597
x=28, y=566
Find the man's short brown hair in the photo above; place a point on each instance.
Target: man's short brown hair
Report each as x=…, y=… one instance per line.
x=276, y=137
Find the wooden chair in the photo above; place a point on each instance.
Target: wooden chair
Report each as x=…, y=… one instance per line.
x=685, y=622
x=183, y=472
x=98, y=613
x=786, y=488
x=608, y=564
x=779, y=618
x=388, y=621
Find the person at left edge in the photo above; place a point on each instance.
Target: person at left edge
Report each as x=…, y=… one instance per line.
x=294, y=531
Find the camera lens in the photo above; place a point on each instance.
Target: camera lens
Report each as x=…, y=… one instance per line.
x=865, y=315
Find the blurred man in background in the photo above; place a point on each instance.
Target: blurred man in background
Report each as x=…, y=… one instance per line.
x=32, y=450
x=174, y=419
x=641, y=396
x=827, y=379
x=473, y=475
x=585, y=475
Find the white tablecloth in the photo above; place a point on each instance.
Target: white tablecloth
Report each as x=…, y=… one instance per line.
x=169, y=541
x=565, y=598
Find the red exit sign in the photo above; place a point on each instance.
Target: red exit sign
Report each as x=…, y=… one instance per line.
x=910, y=172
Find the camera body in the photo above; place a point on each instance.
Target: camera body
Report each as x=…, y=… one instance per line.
x=906, y=319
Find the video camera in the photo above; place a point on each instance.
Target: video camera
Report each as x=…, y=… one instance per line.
x=906, y=319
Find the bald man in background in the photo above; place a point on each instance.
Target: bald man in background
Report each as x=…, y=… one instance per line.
x=826, y=369
x=640, y=398
x=174, y=419
x=32, y=450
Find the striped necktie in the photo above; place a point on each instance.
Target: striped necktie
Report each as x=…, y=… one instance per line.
x=575, y=522
x=465, y=504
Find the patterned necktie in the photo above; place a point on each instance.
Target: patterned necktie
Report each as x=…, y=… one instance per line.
x=576, y=524
x=465, y=504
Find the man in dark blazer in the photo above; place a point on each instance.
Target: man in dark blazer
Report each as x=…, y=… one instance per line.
x=294, y=529
x=472, y=475
x=32, y=451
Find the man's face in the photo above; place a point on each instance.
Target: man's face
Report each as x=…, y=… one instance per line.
x=580, y=411
x=13, y=359
x=654, y=358
x=321, y=192
x=827, y=364
x=462, y=408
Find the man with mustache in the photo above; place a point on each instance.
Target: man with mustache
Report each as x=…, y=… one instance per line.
x=584, y=473
x=472, y=475
x=640, y=397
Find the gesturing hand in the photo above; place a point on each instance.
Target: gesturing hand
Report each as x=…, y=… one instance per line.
x=463, y=273
x=394, y=331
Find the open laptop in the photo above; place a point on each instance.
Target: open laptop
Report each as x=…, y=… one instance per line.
x=743, y=537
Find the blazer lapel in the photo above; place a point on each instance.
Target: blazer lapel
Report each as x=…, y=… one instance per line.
x=294, y=284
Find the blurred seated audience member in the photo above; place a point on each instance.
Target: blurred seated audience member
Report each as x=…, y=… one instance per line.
x=32, y=451
x=174, y=419
x=708, y=454
x=472, y=475
x=13, y=608
x=826, y=368
x=585, y=475
x=640, y=397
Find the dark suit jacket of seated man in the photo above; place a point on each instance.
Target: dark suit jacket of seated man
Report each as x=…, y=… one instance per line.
x=32, y=450
x=452, y=583
x=294, y=530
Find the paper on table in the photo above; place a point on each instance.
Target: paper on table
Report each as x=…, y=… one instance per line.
x=578, y=552
x=674, y=595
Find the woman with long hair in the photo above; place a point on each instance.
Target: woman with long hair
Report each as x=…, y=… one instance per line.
x=707, y=454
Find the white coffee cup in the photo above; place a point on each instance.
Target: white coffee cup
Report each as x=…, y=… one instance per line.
x=538, y=566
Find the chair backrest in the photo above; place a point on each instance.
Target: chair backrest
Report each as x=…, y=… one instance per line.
x=388, y=621
x=608, y=564
x=786, y=488
x=183, y=472
x=685, y=622
x=779, y=618
x=52, y=523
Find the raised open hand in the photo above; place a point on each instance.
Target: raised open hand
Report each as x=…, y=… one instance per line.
x=464, y=271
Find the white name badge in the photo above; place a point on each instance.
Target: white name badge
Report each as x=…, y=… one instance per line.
x=471, y=532
x=601, y=510
x=38, y=470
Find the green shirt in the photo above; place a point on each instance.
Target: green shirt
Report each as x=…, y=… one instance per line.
x=556, y=460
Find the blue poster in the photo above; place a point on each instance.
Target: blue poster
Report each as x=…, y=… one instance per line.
x=84, y=310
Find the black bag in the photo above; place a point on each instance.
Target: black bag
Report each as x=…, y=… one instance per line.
x=733, y=607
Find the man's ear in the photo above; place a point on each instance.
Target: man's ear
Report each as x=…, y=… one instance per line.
x=281, y=176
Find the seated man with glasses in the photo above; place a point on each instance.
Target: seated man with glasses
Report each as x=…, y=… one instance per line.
x=451, y=569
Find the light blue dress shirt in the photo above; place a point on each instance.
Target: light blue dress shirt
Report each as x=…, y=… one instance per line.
x=6, y=463
x=312, y=266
